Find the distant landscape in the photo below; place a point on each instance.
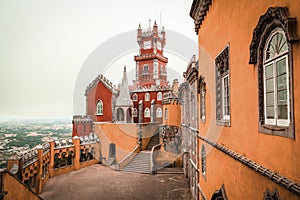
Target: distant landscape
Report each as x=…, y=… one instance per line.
x=18, y=135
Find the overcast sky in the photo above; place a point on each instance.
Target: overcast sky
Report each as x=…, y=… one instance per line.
x=45, y=43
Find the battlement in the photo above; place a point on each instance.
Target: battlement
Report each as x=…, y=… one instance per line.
x=105, y=81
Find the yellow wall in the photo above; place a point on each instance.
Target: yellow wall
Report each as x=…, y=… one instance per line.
x=232, y=23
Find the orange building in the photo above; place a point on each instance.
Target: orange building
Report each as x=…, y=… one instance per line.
x=249, y=98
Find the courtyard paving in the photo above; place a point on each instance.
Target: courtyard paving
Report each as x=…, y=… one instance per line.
x=99, y=182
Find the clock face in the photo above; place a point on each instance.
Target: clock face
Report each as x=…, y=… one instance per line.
x=147, y=44
x=158, y=45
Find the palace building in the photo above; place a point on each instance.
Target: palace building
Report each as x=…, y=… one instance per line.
x=248, y=100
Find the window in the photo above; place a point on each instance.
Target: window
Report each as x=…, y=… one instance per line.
x=135, y=112
x=202, y=91
x=166, y=113
x=271, y=53
x=147, y=112
x=147, y=97
x=99, y=107
x=159, y=96
x=134, y=97
x=145, y=69
x=276, y=87
x=155, y=64
x=158, y=112
x=203, y=160
x=223, y=88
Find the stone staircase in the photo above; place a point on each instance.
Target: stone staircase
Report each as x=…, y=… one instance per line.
x=154, y=141
x=139, y=164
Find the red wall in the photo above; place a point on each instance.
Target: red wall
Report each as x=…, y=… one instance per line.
x=100, y=91
x=147, y=104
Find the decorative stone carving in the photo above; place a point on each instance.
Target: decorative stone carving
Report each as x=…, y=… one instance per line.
x=275, y=17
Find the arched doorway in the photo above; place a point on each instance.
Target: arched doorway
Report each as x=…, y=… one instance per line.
x=120, y=114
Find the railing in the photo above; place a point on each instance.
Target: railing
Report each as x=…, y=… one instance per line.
x=153, y=158
x=129, y=157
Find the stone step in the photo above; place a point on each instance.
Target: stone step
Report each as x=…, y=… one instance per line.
x=140, y=163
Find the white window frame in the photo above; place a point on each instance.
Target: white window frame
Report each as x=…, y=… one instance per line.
x=147, y=96
x=147, y=112
x=99, y=103
x=146, y=66
x=159, y=96
x=276, y=121
x=159, y=112
x=226, y=116
x=134, y=97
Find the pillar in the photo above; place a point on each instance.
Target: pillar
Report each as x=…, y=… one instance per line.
x=51, y=164
x=38, y=187
x=76, y=161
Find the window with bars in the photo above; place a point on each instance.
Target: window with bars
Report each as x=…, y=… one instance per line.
x=223, y=88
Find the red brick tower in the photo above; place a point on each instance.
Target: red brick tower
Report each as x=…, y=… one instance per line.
x=151, y=65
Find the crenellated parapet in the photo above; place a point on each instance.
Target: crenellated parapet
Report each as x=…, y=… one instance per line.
x=104, y=81
x=35, y=166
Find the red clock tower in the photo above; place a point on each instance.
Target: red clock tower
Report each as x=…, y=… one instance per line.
x=151, y=65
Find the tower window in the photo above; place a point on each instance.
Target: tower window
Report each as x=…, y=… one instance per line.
x=134, y=97
x=147, y=97
x=99, y=107
x=147, y=112
x=159, y=96
x=158, y=112
x=146, y=68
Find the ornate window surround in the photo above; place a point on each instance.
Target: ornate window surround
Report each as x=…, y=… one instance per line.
x=222, y=71
x=202, y=92
x=274, y=18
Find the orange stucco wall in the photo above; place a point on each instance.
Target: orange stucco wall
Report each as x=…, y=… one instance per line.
x=232, y=23
x=174, y=114
x=123, y=135
x=15, y=190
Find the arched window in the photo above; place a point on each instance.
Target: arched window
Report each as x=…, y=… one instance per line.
x=147, y=97
x=147, y=112
x=158, y=112
x=166, y=113
x=271, y=53
x=159, y=96
x=99, y=107
x=276, y=85
x=134, y=97
x=135, y=112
